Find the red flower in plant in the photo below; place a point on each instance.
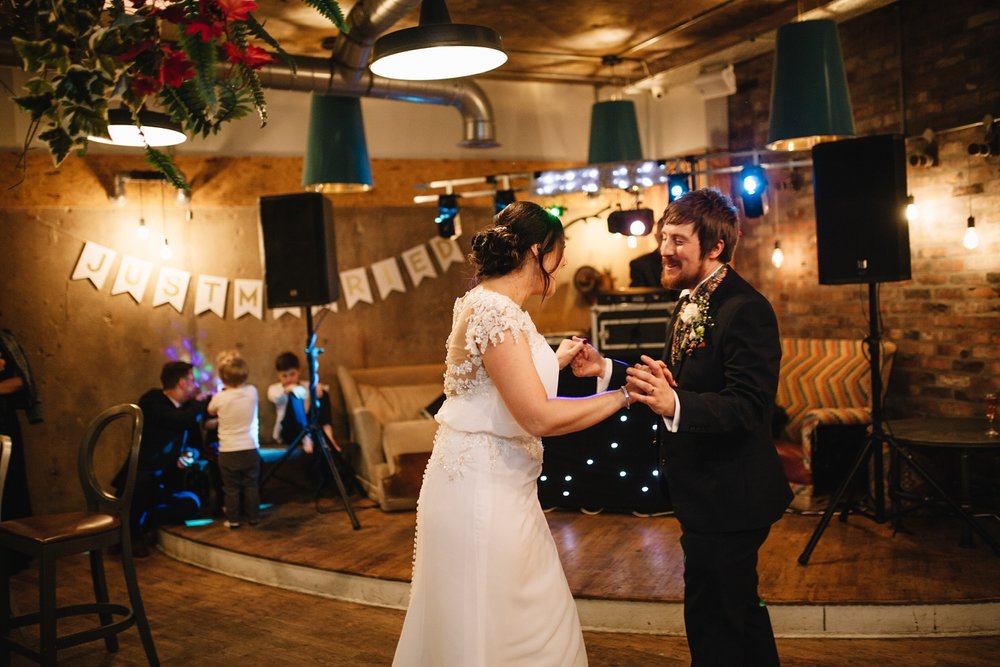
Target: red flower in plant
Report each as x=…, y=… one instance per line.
x=143, y=85
x=208, y=31
x=236, y=10
x=176, y=68
x=130, y=53
x=253, y=57
x=171, y=13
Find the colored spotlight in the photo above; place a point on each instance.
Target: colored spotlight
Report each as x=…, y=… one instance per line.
x=678, y=185
x=447, y=217
x=502, y=200
x=752, y=185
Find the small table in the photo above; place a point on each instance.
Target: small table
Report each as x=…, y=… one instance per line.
x=965, y=434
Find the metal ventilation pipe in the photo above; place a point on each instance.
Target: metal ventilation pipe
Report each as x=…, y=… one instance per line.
x=316, y=75
x=346, y=73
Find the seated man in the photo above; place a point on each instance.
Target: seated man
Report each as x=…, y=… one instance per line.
x=171, y=442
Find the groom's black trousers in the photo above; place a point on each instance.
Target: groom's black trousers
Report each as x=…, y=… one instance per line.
x=727, y=624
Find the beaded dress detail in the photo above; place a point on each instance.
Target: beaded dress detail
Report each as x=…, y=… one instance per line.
x=488, y=587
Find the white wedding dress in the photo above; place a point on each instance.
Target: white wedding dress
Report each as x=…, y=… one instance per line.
x=488, y=587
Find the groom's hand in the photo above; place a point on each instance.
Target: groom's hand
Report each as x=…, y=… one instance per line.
x=588, y=362
x=651, y=383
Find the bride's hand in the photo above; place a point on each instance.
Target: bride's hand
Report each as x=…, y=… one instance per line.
x=567, y=350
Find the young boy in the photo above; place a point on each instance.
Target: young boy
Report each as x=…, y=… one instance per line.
x=290, y=395
x=239, y=460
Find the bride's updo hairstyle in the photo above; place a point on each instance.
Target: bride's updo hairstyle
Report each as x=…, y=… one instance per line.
x=503, y=247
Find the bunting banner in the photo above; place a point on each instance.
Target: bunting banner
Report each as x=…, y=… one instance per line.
x=388, y=277
x=355, y=287
x=171, y=287
x=210, y=294
x=246, y=296
x=94, y=264
x=418, y=264
x=133, y=276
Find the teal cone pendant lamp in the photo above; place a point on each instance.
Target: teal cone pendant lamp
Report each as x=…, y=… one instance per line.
x=810, y=102
x=336, y=151
x=614, y=132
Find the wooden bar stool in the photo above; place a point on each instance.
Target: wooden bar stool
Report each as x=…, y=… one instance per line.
x=49, y=537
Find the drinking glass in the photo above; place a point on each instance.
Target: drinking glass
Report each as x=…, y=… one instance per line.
x=990, y=405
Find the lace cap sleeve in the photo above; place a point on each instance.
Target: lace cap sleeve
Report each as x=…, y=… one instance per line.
x=490, y=317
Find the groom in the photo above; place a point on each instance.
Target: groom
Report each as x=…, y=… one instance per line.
x=714, y=390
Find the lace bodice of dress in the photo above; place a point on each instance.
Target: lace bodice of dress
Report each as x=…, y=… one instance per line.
x=480, y=318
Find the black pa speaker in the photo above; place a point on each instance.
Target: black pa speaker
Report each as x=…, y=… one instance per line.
x=300, y=251
x=860, y=190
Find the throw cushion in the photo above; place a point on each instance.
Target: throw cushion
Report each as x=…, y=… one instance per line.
x=397, y=403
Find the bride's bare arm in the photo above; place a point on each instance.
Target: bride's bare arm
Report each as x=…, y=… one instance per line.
x=511, y=368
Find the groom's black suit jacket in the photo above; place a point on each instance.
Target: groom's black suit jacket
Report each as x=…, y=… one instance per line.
x=721, y=467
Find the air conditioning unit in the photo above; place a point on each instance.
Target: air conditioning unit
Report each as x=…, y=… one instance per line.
x=717, y=83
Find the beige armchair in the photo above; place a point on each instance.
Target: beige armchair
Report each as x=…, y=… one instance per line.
x=384, y=411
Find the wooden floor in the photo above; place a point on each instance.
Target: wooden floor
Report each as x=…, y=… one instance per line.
x=624, y=557
x=202, y=618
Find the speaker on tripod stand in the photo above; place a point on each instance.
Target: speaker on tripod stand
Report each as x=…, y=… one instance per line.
x=300, y=269
x=862, y=237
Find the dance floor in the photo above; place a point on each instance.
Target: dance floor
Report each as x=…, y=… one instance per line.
x=626, y=572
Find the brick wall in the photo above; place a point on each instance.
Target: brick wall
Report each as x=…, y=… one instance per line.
x=940, y=63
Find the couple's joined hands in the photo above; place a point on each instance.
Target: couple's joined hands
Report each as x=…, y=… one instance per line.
x=648, y=382
x=651, y=383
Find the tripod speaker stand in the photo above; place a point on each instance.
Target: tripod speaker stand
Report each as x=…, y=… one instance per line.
x=312, y=429
x=873, y=448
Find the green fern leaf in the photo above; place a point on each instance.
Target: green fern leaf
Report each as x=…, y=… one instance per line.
x=331, y=10
x=164, y=164
x=258, y=31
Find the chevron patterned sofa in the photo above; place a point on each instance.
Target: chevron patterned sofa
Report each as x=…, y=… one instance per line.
x=824, y=386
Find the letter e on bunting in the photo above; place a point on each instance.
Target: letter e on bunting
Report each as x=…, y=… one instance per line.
x=418, y=264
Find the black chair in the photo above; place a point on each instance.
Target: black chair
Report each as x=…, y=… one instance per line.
x=48, y=537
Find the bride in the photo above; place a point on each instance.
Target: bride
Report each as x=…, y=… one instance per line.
x=488, y=587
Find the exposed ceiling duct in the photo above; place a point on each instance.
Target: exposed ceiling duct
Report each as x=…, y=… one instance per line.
x=346, y=73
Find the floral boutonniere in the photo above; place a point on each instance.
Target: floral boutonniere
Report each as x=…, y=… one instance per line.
x=694, y=323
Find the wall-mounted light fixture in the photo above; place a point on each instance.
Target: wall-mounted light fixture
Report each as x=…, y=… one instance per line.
x=990, y=143
x=154, y=129
x=810, y=102
x=923, y=150
x=437, y=48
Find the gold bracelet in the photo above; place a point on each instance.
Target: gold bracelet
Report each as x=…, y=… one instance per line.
x=628, y=399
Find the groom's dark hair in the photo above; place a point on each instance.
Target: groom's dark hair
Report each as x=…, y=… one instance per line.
x=714, y=216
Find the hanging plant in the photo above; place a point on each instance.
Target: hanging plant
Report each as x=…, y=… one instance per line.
x=82, y=54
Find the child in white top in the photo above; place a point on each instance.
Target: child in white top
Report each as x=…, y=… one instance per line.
x=239, y=460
